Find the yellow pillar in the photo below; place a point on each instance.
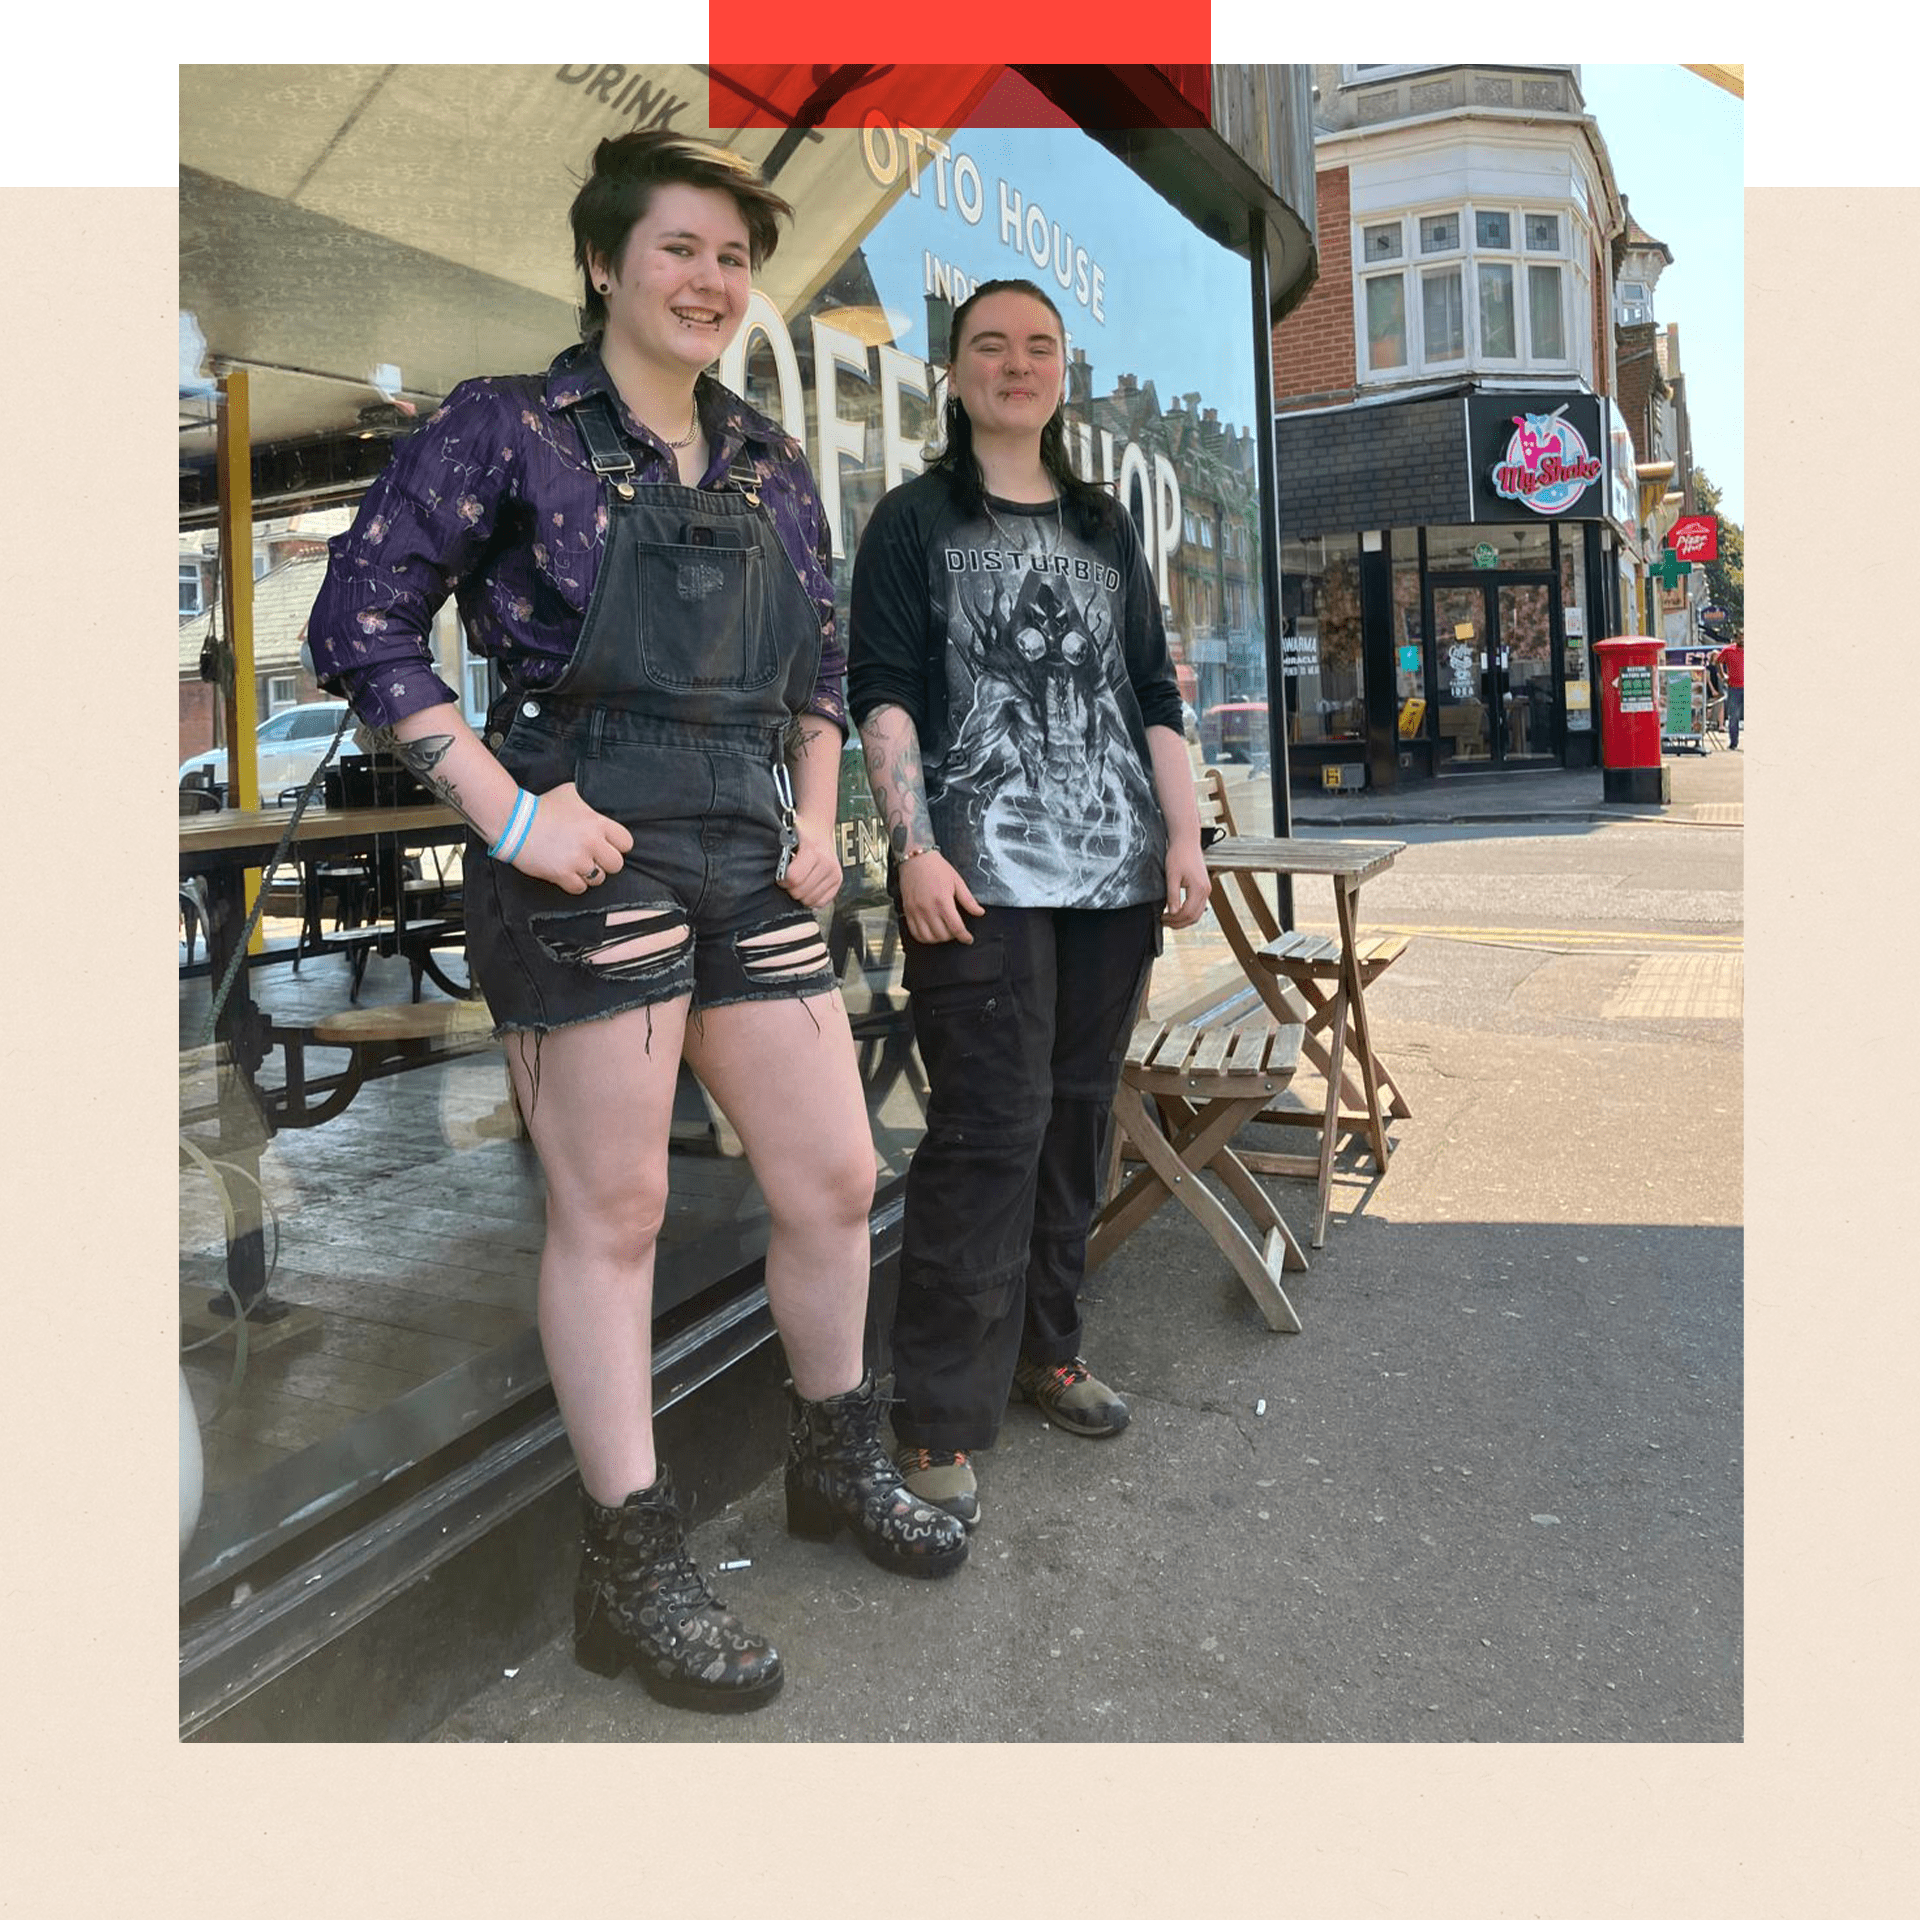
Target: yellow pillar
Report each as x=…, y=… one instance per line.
x=235, y=457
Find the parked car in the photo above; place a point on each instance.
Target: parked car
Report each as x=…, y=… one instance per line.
x=289, y=745
x=1235, y=730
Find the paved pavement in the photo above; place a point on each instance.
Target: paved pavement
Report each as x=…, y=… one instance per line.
x=1492, y=1492
x=1711, y=780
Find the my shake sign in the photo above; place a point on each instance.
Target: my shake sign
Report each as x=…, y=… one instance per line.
x=1546, y=466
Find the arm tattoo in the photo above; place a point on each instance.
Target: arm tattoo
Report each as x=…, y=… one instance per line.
x=895, y=774
x=421, y=757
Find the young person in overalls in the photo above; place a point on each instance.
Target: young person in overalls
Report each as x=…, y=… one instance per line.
x=1022, y=725
x=652, y=816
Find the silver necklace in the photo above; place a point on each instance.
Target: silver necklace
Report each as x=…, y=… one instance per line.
x=1040, y=543
x=693, y=430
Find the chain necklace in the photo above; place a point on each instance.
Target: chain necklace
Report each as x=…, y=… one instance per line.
x=693, y=430
x=1040, y=542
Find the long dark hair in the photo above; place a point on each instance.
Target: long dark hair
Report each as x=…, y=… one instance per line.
x=956, y=458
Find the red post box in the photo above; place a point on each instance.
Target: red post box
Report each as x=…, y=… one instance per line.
x=1629, y=669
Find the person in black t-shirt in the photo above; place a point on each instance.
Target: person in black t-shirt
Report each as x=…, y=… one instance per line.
x=1009, y=674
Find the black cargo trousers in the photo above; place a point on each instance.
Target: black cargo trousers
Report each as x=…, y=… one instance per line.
x=1022, y=1034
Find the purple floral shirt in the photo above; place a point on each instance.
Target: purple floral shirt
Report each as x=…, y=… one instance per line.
x=493, y=500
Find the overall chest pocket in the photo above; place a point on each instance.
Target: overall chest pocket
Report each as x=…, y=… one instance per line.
x=703, y=624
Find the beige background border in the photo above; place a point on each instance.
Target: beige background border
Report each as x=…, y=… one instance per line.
x=105, y=1811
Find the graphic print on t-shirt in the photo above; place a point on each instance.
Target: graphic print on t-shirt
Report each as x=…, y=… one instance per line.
x=1042, y=798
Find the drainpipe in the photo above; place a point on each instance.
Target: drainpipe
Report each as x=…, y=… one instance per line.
x=1268, y=469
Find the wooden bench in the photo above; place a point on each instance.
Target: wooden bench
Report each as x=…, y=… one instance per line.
x=378, y=1041
x=1187, y=1087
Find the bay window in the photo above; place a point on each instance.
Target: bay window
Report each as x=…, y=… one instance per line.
x=1493, y=287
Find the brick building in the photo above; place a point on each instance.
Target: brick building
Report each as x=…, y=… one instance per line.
x=1459, y=495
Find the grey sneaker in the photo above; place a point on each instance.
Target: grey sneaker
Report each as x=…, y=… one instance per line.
x=1072, y=1398
x=943, y=1480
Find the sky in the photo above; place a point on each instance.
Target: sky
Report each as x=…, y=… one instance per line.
x=1677, y=147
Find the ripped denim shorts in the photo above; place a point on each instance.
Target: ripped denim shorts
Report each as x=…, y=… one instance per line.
x=695, y=909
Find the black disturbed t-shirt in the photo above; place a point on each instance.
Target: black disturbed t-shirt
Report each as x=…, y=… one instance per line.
x=1028, y=649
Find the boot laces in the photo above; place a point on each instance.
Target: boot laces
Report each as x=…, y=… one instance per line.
x=924, y=1459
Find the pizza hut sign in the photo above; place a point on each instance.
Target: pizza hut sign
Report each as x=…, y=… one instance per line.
x=1547, y=466
x=1695, y=538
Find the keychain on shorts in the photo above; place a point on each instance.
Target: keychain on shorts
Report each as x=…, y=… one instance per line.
x=789, y=828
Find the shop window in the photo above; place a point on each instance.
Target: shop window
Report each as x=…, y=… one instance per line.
x=1580, y=635
x=1320, y=640
x=1409, y=642
x=844, y=340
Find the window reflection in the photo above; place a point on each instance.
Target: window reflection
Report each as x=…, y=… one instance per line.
x=355, y=242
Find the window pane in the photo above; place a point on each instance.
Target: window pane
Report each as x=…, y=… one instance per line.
x=1381, y=243
x=1439, y=232
x=1543, y=302
x=1543, y=233
x=1496, y=312
x=1387, y=321
x=1443, y=315
x=1493, y=229
x=1324, y=686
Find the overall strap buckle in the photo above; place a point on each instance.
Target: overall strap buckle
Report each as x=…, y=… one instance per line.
x=744, y=476
x=605, y=448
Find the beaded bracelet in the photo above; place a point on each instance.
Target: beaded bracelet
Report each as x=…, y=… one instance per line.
x=519, y=824
x=914, y=853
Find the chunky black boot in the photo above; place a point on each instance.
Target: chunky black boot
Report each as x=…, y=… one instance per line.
x=838, y=1475
x=640, y=1602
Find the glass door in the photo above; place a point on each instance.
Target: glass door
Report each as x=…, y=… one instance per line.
x=1461, y=625
x=1493, y=665
x=1523, y=652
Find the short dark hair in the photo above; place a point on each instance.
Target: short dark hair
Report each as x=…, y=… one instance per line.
x=627, y=168
x=956, y=457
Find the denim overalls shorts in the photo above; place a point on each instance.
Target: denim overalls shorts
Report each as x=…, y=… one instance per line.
x=700, y=645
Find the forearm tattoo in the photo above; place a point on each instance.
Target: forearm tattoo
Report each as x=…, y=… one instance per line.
x=422, y=758
x=897, y=778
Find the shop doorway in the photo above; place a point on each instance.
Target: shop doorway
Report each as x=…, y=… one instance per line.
x=1494, y=638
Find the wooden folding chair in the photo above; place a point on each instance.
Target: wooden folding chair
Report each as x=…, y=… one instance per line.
x=1185, y=1090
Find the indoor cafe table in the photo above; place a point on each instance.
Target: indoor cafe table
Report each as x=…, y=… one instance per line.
x=221, y=848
